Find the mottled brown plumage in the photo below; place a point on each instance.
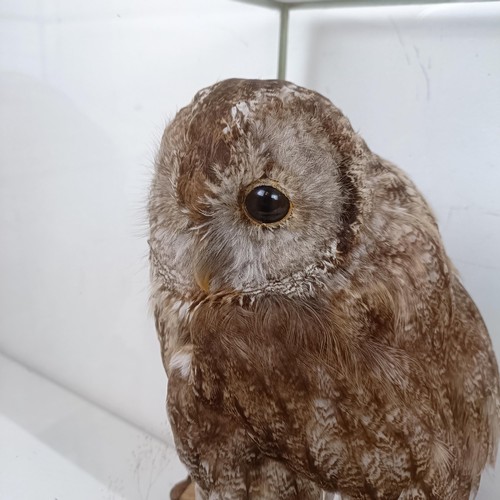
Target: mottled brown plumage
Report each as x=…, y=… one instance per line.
x=335, y=351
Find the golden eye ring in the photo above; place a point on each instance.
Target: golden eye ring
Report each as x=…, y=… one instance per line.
x=265, y=203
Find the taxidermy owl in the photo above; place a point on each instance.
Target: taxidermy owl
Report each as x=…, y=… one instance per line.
x=316, y=337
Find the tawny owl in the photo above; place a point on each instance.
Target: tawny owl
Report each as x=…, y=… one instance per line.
x=316, y=337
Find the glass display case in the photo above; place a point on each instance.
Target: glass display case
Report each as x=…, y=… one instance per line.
x=284, y=7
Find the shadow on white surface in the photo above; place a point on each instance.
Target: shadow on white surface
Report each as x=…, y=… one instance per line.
x=58, y=446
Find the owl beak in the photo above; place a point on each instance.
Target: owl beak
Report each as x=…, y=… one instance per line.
x=202, y=277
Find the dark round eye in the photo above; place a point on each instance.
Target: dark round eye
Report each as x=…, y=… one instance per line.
x=266, y=204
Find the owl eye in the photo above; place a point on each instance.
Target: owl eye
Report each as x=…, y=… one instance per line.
x=266, y=204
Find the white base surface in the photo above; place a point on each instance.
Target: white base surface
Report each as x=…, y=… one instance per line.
x=57, y=446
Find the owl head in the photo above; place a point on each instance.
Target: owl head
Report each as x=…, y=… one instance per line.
x=257, y=188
